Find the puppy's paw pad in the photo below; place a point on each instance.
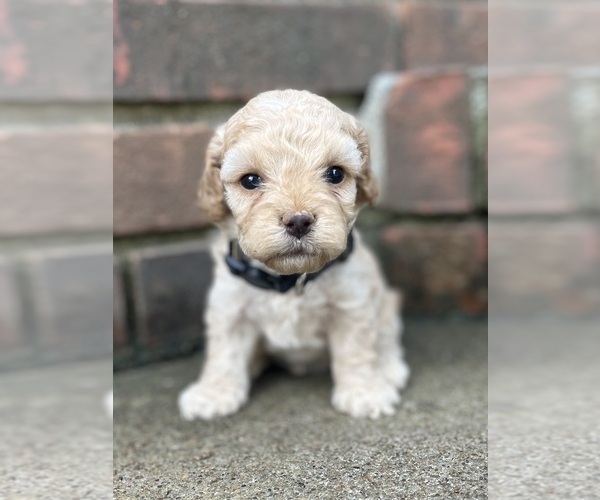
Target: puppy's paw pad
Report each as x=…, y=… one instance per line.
x=200, y=402
x=367, y=403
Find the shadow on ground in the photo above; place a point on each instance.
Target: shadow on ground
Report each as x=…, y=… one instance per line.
x=289, y=443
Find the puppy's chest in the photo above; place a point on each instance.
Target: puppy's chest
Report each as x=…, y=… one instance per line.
x=288, y=321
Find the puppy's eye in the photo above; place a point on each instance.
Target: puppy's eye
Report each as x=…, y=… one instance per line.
x=334, y=175
x=251, y=181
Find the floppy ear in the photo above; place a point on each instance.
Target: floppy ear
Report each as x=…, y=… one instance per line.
x=366, y=183
x=211, y=196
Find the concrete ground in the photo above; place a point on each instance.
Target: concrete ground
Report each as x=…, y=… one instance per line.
x=289, y=443
x=55, y=435
x=544, y=409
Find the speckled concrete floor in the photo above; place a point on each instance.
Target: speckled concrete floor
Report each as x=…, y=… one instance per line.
x=289, y=442
x=544, y=409
x=55, y=436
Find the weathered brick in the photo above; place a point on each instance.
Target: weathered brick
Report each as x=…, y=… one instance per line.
x=440, y=267
x=59, y=50
x=170, y=287
x=428, y=141
x=72, y=290
x=12, y=336
x=544, y=268
x=444, y=33
x=543, y=33
x=228, y=50
x=531, y=165
x=56, y=180
x=156, y=174
x=121, y=343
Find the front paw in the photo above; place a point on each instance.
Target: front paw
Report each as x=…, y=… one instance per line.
x=200, y=401
x=397, y=372
x=366, y=400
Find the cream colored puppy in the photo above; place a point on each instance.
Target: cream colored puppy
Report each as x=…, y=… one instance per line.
x=285, y=179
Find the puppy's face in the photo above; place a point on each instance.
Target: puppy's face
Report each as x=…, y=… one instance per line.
x=293, y=172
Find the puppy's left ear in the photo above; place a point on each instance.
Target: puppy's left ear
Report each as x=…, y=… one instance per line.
x=366, y=183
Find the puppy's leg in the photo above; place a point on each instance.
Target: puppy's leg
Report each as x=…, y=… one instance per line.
x=224, y=384
x=391, y=354
x=361, y=386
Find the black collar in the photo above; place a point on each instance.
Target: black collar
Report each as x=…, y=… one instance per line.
x=239, y=266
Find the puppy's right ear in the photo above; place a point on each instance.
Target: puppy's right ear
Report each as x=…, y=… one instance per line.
x=211, y=196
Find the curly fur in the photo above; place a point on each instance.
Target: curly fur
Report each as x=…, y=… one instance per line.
x=289, y=138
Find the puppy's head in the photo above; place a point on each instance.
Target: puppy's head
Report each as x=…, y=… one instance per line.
x=293, y=171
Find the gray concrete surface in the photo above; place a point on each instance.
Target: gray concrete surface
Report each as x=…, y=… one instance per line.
x=55, y=436
x=544, y=410
x=289, y=443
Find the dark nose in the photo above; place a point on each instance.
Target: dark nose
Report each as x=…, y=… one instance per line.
x=299, y=225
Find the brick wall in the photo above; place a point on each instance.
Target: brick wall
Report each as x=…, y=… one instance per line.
x=544, y=180
x=183, y=68
x=414, y=72
x=55, y=181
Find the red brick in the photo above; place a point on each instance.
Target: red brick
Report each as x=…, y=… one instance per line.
x=56, y=180
x=440, y=267
x=12, y=338
x=543, y=33
x=428, y=144
x=444, y=33
x=531, y=169
x=156, y=174
x=170, y=285
x=544, y=268
x=71, y=291
x=234, y=50
x=59, y=50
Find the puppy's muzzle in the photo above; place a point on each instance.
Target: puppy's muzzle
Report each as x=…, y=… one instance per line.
x=298, y=225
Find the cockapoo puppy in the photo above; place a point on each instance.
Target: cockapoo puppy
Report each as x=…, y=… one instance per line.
x=284, y=180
